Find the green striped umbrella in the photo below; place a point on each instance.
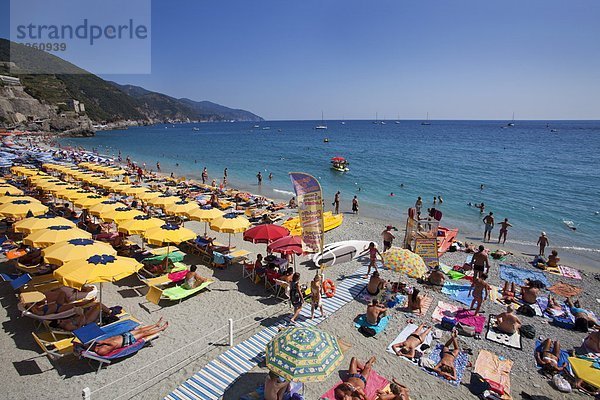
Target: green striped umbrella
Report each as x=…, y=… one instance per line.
x=303, y=354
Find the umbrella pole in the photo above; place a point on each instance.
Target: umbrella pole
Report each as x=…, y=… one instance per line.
x=205, y=228
x=100, y=303
x=229, y=241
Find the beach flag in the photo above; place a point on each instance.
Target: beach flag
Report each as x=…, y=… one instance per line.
x=310, y=210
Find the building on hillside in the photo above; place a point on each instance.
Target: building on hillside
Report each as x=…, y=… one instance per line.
x=10, y=80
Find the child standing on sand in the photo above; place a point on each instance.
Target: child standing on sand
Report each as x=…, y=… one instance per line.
x=316, y=289
x=373, y=253
x=480, y=289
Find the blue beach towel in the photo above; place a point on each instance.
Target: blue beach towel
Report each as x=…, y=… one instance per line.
x=362, y=321
x=458, y=292
x=518, y=275
x=563, y=360
x=460, y=364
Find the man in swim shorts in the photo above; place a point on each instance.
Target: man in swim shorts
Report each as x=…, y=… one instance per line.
x=480, y=262
x=388, y=238
x=488, y=220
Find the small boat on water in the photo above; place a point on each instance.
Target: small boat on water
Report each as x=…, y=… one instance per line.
x=570, y=224
x=256, y=126
x=322, y=126
x=195, y=128
x=426, y=122
x=339, y=164
x=512, y=123
x=266, y=128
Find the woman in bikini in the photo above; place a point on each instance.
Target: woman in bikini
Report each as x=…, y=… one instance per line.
x=107, y=346
x=398, y=392
x=373, y=253
x=414, y=340
x=548, y=356
x=508, y=292
x=375, y=284
x=445, y=367
x=356, y=381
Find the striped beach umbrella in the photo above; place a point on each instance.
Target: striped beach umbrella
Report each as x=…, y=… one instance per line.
x=303, y=354
x=404, y=261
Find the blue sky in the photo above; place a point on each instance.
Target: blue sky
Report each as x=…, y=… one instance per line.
x=467, y=59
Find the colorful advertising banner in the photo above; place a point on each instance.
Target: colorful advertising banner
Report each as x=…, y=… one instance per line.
x=427, y=249
x=310, y=210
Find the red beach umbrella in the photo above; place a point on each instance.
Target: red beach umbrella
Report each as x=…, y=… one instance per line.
x=265, y=233
x=286, y=245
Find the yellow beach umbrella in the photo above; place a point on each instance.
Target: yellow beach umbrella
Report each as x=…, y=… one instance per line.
x=24, y=171
x=181, y=207
x=75, y=249
x=163, y=200
x=98, y=268
x=168, y=234
x=138, y=225
x=121, y=187
x=6, y=188
x=46, y=184
x=112, y=171
x=32, y=224
x=110, y=184
x=90, y=200
x=206, y=215
x=73, y=195
x=148, y=195
x=20, y=208
x=105, y=206
x=54, y=234
x=405, y=261
x=58, y=187
x=230, y=223
x=8, y=199
x=134, y=190
x=120, y=214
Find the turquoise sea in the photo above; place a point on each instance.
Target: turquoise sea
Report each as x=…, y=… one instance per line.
x=537, y=174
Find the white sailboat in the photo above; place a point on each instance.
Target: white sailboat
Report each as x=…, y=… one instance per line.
x=322, y=126
x=512, y=123
x=426, y=122
x=397, y=120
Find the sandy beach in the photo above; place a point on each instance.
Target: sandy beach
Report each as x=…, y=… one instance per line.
x=198, y=332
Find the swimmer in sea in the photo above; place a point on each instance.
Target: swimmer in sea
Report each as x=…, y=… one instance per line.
x=402, y=185
x=392, y=194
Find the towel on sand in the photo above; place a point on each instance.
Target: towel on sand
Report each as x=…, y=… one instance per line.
x=565, y=290
x=569, y=272
x=468, y=317
x=489, y=366
x=408, y=329
x=584, y=370
x=460, y=364
x=455, y=275
x=458, y=292
x=375, y=382
x=444, y=310
x=495, y=335
x=362, y=321
x=518, y=275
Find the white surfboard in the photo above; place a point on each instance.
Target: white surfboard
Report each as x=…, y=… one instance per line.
x=341, y=252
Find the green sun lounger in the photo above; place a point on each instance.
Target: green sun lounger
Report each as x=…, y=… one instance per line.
x=175, y=256
x=175, y=293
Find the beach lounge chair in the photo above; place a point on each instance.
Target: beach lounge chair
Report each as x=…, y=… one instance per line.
x=27, y=283
x=54, y=346
x=282, y=289
x=28, y=299
x=248, y=271
x=175, y=293
x=177, y=274
x=88, y=335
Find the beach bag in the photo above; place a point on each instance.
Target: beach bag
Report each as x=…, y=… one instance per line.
x=366, y=331
x=448, y=323
x=496, y=387
x=465, y=330
x=561, y=383
x=478, y=385
x=528, y=331
x=526, y=310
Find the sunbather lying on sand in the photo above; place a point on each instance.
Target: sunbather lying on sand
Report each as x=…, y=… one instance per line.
x=584, y=319
x=436, y=277
x=414, y=340
x=529, y=293
x=508, y=322
x=548, y=356
x=508, y=292
x=353, y=387
x=107, y=346
x=554, y=308
x=445, y=367
x=275, y=386
x=399, y=392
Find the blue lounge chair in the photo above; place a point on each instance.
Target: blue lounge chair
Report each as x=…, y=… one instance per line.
x=89, y=334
